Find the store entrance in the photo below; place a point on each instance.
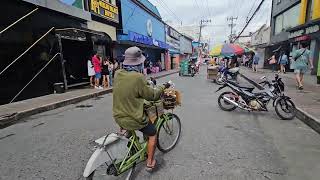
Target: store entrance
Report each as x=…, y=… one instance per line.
x=76, y=55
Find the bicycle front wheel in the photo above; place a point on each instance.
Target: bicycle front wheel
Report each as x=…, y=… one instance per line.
x=169, y=133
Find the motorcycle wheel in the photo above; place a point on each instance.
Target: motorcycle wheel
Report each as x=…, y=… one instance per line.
x=286, y=106
x=221, y=101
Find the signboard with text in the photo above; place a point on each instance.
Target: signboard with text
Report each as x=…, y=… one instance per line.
x=104, y=9
x=171, y=38
x=139, y=38
x=305, y=31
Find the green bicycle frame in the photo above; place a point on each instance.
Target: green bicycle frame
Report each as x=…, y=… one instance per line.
x=141, y=148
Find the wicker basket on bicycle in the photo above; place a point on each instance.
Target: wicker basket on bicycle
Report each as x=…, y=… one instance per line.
x=171, y=98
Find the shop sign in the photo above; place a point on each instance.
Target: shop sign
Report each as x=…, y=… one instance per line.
x=174, y=34
x=139, y=38
x=308, y=30
x=104, y=9
x=171, y=41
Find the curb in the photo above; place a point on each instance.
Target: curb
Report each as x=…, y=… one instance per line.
x=16, y=117
x=12, y=119
x=304, y=116
x=308, y=119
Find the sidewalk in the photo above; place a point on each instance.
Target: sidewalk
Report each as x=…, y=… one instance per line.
x=307, y=101
x=11, y=113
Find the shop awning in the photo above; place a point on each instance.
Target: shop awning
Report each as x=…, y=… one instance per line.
x=79, y=34
x=174, y=51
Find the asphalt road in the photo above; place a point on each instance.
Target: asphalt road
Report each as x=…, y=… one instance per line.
x=214, y=144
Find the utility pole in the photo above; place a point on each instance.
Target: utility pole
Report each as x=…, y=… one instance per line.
x=231, y=25
x=201, y=26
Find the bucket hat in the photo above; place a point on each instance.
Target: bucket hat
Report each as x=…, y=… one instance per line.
x=133, y=56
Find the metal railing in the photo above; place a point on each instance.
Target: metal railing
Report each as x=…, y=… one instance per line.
x=34, y=77
x=43, y=36
x=14, y=23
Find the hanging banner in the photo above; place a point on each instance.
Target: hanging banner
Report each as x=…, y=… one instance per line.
x=104, y=9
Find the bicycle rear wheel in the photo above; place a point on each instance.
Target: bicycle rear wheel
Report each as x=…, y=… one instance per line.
x=108, y=171
x=169, y=133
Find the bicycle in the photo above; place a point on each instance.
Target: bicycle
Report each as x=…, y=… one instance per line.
x=130, y=150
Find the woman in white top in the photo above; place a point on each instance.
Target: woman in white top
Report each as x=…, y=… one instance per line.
x=91, y=72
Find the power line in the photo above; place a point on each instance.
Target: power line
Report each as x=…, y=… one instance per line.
x=249, y=20
x=209, y=12
x=165, y=7
x=251, y=9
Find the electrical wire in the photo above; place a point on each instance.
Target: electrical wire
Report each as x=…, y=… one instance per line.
x=254, y=13
x=166, y=7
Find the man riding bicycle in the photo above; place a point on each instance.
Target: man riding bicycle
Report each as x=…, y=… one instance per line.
x=129, y=92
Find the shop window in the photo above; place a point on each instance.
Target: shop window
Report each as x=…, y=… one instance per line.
x=310, y=9
x=287, y=19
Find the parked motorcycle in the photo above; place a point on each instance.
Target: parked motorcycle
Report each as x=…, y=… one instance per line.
x=227, y=74
x=245, y=99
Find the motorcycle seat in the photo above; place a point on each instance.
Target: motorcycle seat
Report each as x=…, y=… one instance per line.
x=260, y=92
x=248, y=88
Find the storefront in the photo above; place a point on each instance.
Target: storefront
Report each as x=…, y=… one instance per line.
x=173, y=54
x=309, y=32
x=105, y=18
x=141, y=26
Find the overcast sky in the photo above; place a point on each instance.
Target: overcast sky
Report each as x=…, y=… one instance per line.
x=190, y=12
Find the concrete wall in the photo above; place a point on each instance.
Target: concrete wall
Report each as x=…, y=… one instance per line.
x=262, y=36
x=56, y=5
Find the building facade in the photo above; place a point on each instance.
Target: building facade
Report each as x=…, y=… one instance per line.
x=141, y=25
x=63, y=33
x=293, y=22
x=259, y=41
x=173, y=53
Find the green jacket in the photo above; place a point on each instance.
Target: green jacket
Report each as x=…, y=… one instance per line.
x=129, y=92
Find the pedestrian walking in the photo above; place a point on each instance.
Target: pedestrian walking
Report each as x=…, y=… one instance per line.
x=273, y=62
x=256, y=59
x=96, y=60
x=111, y=68
x=105, y=73
x=91, y=72
x=283, y=61
x=302, y=61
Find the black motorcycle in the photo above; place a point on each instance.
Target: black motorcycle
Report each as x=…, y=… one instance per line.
x=244, y=98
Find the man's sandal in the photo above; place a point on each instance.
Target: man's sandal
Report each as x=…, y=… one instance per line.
x=151, y=167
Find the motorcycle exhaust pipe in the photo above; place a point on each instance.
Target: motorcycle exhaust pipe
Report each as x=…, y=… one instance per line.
x=234, y=103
